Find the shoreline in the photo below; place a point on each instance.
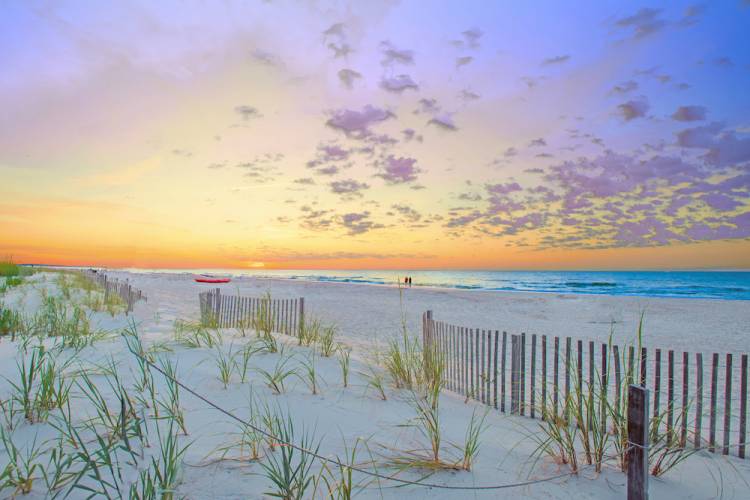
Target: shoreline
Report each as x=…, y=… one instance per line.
x=371, y=314
x=467, y=288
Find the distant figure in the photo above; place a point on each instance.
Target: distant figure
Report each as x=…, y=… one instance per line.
x=409, y=281
x=406, y=281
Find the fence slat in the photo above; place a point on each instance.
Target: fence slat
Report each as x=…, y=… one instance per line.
x=568, y=341
x=494, y=371
x=502, y=374
x=544, y=377
x=523, y=373
x=532, y=392
x=579, y=373
x=743, y=406
x=712, y=424
x=727, y=403
x=618, y=375
x=483, y=378
x=488, y=367
x=670, y=395
x=556, y=372
x=657, y=381
x=698, y=398
x=684, y=415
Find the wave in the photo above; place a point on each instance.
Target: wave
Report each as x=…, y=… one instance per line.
x=583, y=284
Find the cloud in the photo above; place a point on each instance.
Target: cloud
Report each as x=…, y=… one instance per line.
x=247, y=112
x=411, y=134
x=692, y=14
x=723, y=62
x=724, y=147
x=217, y=165
x=393, y=55
x=535, y=143
x=556, y=60
x=510, y=152
x=444, y=121
x=348, y=187
x=330, y=170
x=336, y=29
x=463, y=61
x=507, y=188
x=305, y=181
x=399, y=170
x=398, y=84
x=643, y=23
x=356, y=123
x=472, y=37
x=265, y=57
x=470, y=197
x=633, y=109
x=407, y=212
x=429, y=106
x=625, y=87
x=358, y=223
x=341, y=50
x=347, y=77
x=689, y=114
x=468, y=95
x=332, y=152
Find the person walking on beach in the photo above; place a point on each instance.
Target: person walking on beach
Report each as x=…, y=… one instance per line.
x=409, y=281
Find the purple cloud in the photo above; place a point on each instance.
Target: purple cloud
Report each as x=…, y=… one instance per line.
x=689, y=114
x=393, y=55
x=724, y=147
x=556, y=60
x=356, y=123
x=305, y=181
x=625, y=87
x=358, y=223
x=444, y=121
x=398, y=84
x=463, y=61
x=643, y=23
x=348, y=187
x=537, y=142
x=399, y=170
x=631, y=110
x=247, y=112
x=411, y=134
x=347, y=77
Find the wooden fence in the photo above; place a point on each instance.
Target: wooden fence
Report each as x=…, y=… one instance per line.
x=232, y=311
x=696, y=396
x=123, y=289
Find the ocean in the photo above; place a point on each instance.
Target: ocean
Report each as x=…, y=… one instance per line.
x=728, y=285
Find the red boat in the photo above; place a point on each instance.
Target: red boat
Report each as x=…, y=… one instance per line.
x=211, y=279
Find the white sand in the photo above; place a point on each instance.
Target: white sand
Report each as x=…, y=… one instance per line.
x=369, y=314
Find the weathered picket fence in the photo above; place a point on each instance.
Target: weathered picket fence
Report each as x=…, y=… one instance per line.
x=123, y=289
x=697, y=397
x=233, y=311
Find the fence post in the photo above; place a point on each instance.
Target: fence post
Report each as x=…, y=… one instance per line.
x=301, y=316
x=515, y=367
x=638, y=427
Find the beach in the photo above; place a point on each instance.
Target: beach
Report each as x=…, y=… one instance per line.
x=370, y=314
x=339, y=417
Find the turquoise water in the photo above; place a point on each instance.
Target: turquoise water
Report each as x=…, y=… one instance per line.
x=731, y=285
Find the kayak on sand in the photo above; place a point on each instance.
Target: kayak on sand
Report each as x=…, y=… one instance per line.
x=212, y=279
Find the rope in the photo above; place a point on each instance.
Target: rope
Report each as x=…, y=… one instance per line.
x=338, y=463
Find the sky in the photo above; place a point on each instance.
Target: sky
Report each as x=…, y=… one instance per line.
x=379, y=134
